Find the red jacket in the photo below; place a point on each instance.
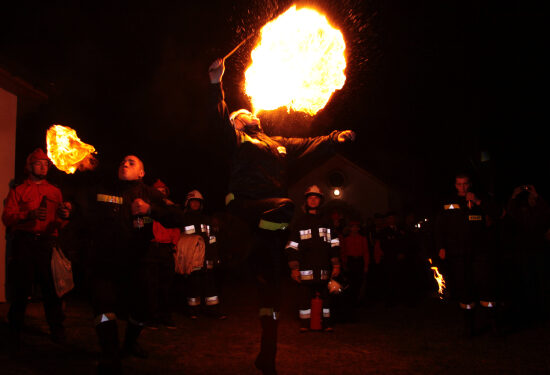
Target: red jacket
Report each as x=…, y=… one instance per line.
x=27, y=197
x=165, y=235
x=355, y=246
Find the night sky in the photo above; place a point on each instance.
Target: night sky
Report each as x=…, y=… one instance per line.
x=430, y=86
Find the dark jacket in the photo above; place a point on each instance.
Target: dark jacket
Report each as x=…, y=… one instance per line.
x=114, y=234
x=313, y=245
x=259, y=162
x=460, y=230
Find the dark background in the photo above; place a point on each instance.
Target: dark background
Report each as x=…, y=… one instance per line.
x=430, y=86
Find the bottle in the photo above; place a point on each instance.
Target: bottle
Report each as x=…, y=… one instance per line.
x=43, y=206
x=138, y=222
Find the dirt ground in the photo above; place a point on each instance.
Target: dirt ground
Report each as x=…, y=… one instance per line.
x=421, y=339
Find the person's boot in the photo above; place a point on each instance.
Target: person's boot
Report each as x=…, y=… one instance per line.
x=491, y=314
x=131, y=346
x=194, y=311
x=469, y=323
x=109, y=362
x=214, y=311
x=265, y=362
x=328, y=325
x=304, y=325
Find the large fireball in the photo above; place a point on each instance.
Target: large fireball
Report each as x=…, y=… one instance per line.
x=298, y=63
x=66, y=151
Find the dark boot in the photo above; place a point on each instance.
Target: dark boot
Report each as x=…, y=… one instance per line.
x=328, y=325
x=469, y=323
x=265, y=362
x=131, y=346
x=492, y=321
x=109, y=363
x=193, y=311
x=304, y=325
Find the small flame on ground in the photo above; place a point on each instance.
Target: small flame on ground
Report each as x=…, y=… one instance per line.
x=298, y=63
x=67, y=152
x=439, y=278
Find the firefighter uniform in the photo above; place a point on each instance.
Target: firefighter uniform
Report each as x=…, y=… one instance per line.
x=118, y=242
x=258, y=187
x=462, y=230
x=32, y=246
x=202, y=288
x=315, y=251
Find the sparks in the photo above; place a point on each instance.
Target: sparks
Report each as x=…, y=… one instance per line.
x=298, y=63
x=66, y=151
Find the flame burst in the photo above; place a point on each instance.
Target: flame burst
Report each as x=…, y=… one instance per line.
x=66, y=151
x=440, y=280
x=298, y=63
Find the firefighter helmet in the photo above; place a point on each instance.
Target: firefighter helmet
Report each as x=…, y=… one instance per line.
x=193, y=194
x=236, y=113
x=313, y=190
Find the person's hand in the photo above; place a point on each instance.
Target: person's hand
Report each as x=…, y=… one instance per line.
x=472, y=197
x=532, y=192
x=346, y=136
x=38, y=214
x=216, y=70
x=169, y=202
x=442, y=254
x=64, y=210
x=295, y=275
x=140, y=207
x=335, y=271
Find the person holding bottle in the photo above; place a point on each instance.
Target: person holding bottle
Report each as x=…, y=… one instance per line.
x=464, y=242
x=34, y=212
x=120, y=226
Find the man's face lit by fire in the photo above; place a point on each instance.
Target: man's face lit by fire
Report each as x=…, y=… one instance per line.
x=244, y=120
x=462, y=185
x=131, y=169
x=39, y=169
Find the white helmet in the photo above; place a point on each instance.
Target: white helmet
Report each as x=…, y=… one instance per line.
x=193, y=194
x=236, y=113
x=313, y=190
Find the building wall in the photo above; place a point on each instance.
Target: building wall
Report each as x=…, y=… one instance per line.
x=8, y=114
x=361, y=190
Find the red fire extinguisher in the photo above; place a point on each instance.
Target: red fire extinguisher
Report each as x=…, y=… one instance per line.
x=315, y=322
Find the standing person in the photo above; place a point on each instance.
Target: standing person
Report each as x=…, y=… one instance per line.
x=313, y=258
x=158, y=269
x=464, y=241
x=33, y=213
x=201, y=282
x=527, y=222
x=355, y=260
x=120, y=223
x=258, y=195
x=396, y=262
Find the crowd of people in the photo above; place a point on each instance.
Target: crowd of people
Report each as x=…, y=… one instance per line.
x=145, y=255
